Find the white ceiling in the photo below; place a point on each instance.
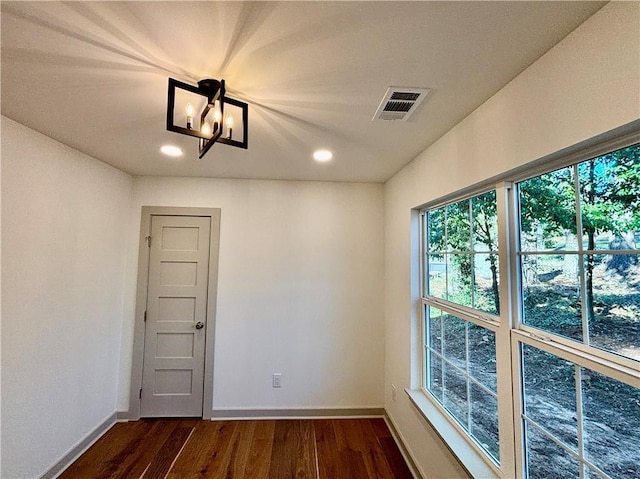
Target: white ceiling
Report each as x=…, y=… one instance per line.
x=93, y=75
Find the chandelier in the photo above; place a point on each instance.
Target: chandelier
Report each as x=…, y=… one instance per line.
x=206, y=113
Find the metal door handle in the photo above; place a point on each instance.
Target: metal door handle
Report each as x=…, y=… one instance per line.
x=199, y=325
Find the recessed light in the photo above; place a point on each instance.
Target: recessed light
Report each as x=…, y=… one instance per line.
x=171, y=150
x=322, y=155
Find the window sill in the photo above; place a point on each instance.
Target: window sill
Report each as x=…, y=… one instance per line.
x=472, y=460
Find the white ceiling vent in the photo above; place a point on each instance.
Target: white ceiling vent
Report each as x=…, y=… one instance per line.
x=399, y=103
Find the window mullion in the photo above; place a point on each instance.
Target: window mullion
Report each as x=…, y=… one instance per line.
x=506, y=427
x=580, y=234
x=466, y=360
x=578, y=380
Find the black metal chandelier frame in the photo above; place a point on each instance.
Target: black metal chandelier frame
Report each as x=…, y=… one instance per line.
x=214, y=91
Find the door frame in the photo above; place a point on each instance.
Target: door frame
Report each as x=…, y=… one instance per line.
x=141, y=303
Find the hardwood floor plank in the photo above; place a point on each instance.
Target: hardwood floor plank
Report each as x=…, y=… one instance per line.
x=293, y=454
x=218, y=465
x=208, y=442
x=395, y=459
x=109, y=456
x=168, y=453
x=348, y=435
x=373, y=454
x=149, y=447
x=354, y=466
x=358, y=435
x=331, y=463
x=379, y=427
x=241, y=448
x=259, y=460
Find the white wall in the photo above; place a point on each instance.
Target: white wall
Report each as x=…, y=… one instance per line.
x=64, y=220
x=300, y=290
x=587, y=85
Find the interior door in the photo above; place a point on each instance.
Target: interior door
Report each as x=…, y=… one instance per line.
x=176, y=315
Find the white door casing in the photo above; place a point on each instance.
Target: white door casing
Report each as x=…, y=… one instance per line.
x=175, y=311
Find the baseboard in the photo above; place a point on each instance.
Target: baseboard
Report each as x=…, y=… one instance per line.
x=122, y=416
x=76, y=451
x=403, y=448
x=298, y=413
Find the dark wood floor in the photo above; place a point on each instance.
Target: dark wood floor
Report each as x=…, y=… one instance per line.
x=282, y=449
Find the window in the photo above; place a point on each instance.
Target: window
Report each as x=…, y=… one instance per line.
x=546, y=280
x=461, y=302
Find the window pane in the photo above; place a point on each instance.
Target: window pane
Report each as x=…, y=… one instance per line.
x=482, y=355
x=434, y=329
x=591, y=474
x=458, y=227
x=459, y=279
x=468, y=351
x=485, y=222
x=455, y=394
x=611, y=425
x=551, y=299
x=435, y=376
x=454, y=349
x=437, y=280
x=484, y=420
x=486, y=292
x=612, y=299
x=549, y=393
x=610, y=200
x=435, y=226
x=547, y=211
x=547, y=460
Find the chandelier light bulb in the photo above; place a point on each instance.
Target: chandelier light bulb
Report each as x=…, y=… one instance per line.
x=189, y=115
x=206, y=128
x=230, y=125
x=217, y=116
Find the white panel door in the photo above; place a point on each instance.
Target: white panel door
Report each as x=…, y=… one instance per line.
x=176, y=315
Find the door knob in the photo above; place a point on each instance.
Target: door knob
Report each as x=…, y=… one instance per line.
x=199, y=325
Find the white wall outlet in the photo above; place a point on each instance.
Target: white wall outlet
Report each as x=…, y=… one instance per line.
x=393, y=392
x=277, y=380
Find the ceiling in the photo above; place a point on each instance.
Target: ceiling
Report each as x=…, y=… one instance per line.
x=93, y=75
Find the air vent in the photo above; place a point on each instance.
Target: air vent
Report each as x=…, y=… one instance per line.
x=399, y=103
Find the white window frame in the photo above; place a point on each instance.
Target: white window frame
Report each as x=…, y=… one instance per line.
x=509, y=330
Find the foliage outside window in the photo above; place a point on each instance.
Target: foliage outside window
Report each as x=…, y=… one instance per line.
x=580, y=230
x=573, y=322
x=462, y=256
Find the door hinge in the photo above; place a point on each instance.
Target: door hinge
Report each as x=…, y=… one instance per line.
x=145, y=316
x=140, y=396
x=148, y=238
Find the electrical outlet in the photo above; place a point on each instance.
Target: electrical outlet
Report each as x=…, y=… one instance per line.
x=277, y=380
x=393, y=392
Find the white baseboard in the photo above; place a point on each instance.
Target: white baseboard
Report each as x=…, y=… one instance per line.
x=122, y=416
x=76, y=451
x=297, y=413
